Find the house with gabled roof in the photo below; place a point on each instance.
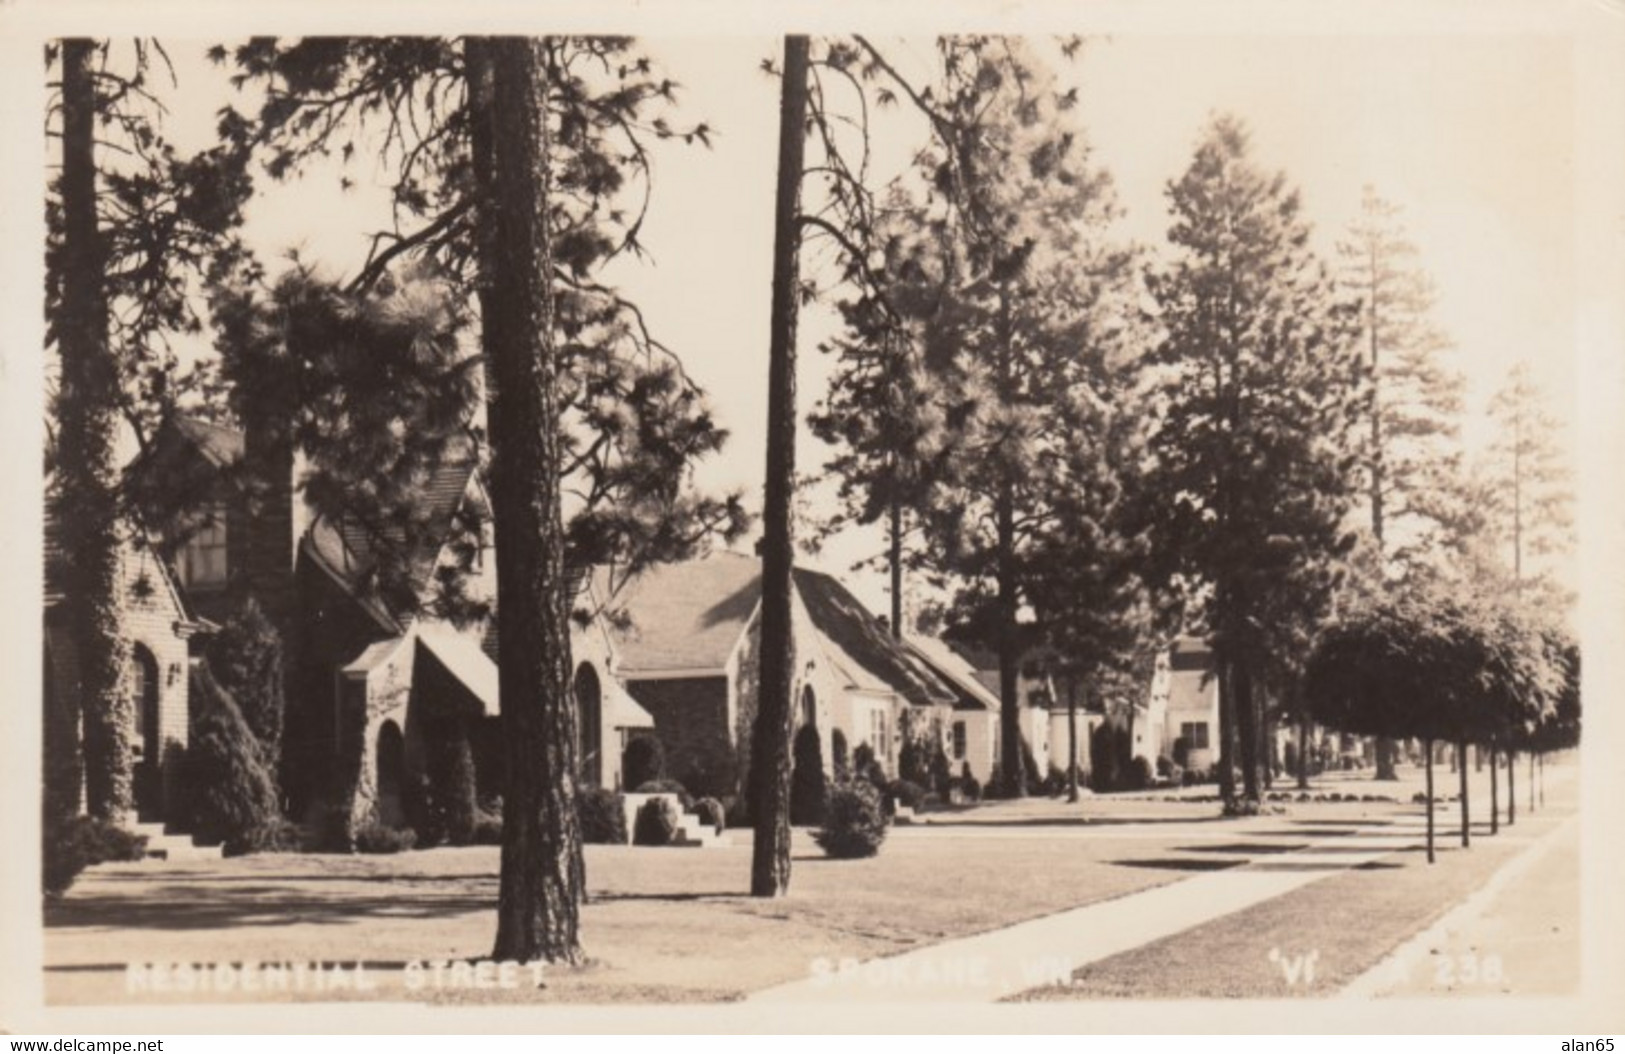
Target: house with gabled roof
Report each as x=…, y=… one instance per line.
x=688, y=644
x=973, y=728
x=376, y=686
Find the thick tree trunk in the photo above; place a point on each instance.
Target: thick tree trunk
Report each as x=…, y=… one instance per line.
x=770, y=738
x=1010, y=760
x=542, y=876
x=1428, y=766
x=1495, y=794
x=1461, y=767
x=1385, y=759
x=1303, y=750
x=1227, y=735
x=1266, y=742
x=1512, y=787
x=87, y=509
x=1072, y=744
x=1532, y=755
x=1247, y=728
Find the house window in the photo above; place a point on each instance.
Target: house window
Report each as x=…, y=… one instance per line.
x=877, y=735
x=202, y=562
x=959, y=741
x=144, y=685
x=1194, y=733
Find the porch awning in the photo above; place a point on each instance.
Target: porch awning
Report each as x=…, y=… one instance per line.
x=463, y=659
x=624, y=711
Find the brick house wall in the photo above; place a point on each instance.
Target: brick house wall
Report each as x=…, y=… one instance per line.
x=156, y=626
x=691, y=719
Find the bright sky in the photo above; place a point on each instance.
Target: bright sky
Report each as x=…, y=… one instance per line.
x=1473, y=135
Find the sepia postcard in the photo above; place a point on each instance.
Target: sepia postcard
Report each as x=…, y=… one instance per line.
x=956, y=518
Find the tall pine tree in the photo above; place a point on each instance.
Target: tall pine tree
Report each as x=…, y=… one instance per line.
x=1529, y=487
x=1412, y=452
x=1254, y=456
x=131, y=224
x=87, y=483
x=542, y=876
x=1001, y=274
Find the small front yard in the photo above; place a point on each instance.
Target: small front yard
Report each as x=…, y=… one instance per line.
x=1315, y=940
x=662, y=925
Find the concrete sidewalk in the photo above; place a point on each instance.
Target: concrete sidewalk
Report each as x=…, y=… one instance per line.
x=1519, y=935
x=1044, y=951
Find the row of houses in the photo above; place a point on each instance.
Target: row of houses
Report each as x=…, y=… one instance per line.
x=672, y=653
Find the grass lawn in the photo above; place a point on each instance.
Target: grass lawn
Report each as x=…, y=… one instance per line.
x=662, y=924
x=1350, y=920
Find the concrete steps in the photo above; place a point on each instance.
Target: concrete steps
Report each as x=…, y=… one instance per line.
x=173, y=848
x=692, y=832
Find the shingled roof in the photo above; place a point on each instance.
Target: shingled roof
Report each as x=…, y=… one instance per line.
x=971, y=693
x=863, y=647
x=688, y=616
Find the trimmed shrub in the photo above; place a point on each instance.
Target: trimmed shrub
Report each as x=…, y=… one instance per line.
x=712, y=775
x=854, y=823
x=377, y=838
x=451, y=806
x=656, y=822
x=711, y=811
x=330, y=830
x=839, y=759
x=488, y=823
x=602, y=815
x=229, y=793
x=643, y=761
x=994, y=789
x=914, y=762
x=246, y=658
x=969, y=786
x=1055, y=782
x=865, y=766
x=942, y=773
x=79, y=842
x=1139, y=773
x=906, y=792
x=807, y=788
x=278, y=836
x=684, y=798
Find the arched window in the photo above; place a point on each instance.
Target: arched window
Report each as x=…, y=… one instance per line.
x=809, y=707
x=589, y=724
x=144, y=684
x=391, y=772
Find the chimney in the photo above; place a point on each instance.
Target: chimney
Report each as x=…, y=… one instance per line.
x=260, y=539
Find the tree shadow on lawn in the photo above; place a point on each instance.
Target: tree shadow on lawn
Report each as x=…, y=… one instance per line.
x=182, y=908
x=617, y=896
x=1178, y=864
x=1242, y=848
x=1056, y=821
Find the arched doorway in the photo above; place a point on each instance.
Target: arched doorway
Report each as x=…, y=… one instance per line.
x=146, y=744
x=589, y=725
x=391, y=774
